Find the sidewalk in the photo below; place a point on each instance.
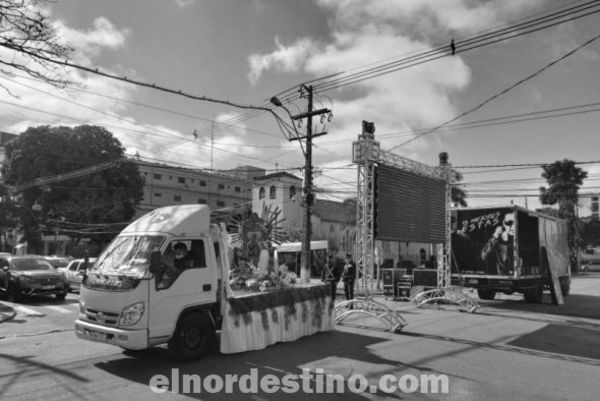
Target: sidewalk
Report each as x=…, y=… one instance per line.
x=6, y=312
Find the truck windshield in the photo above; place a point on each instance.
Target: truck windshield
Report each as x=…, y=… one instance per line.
x=128, y=255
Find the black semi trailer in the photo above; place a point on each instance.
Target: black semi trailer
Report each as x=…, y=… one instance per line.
x=510, y=249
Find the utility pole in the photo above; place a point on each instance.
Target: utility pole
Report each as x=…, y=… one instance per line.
x=212, y=143
x=308, y=179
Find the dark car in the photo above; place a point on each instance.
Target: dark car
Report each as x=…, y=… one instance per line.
x=30, y=275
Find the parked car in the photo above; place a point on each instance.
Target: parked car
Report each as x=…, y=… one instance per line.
x=29, y=275
x=59, y=262
x=74, y=272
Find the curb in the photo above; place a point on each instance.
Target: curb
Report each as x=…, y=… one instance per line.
x=6, y=312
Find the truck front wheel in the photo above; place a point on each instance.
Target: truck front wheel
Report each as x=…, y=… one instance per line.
x=486, y=293
x=193, y=335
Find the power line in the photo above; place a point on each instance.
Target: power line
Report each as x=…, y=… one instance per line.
x=510, y=32
x=97, y=71
x=470, y=43
x=522, y=164
x=115, y=127
x=153, y=107
x=497, y=95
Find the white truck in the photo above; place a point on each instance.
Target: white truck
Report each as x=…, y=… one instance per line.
x=125, y=299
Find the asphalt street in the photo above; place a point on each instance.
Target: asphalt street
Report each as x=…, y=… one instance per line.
x=508, y=350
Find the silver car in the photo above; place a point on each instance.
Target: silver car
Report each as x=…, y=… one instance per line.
x=74, y=272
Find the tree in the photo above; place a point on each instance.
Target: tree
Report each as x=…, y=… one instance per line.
x=458, y=194
x=8, y=218
x=590, y=233
x=108, y=196
x=30, y=41
x=564, y=180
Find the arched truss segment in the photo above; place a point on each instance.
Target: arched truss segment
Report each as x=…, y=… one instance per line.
x=368, y=307
x=449, y=295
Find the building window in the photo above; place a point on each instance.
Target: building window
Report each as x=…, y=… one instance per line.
x=272, y=192
x=238, y=189
x=202, y=201
x=221, y=186
x=177, y=198
x=220, y=203
x=202, y=183
x=292, y=192
x=387, y=246
x=181, y=180
x=261, y=193
x=331, y=228
x=157, y=176
x=158, y=194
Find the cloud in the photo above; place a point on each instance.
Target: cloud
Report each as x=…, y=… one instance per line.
x=184, y=3
x=364, y=33
x=89, y=43
x=286, y=59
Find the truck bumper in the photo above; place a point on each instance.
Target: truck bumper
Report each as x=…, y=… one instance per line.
x=128, y=339
x=498, y=283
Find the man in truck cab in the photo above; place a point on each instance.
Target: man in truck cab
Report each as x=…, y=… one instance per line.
x=176, y=260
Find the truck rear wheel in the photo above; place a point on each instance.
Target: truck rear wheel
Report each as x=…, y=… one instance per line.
x=534, y=295
x=486, y=293
x=192, y=336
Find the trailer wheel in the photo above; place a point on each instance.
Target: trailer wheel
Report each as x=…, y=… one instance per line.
x=486, y=293
x=192, y=336
x=534, y=295
x=565, y=286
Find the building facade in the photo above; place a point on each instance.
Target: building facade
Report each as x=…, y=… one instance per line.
x=167, y=185
x=331, y=221
x=283, y=191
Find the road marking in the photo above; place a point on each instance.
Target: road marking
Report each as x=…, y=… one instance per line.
x=59, y=309
x=27, y=311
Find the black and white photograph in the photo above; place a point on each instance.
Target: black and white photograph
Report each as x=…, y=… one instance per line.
x=284, y=199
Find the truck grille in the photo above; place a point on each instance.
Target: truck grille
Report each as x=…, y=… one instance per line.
x=108, y=318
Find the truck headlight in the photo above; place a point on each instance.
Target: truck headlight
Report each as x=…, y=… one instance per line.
x=26, y=279
x=131, y=314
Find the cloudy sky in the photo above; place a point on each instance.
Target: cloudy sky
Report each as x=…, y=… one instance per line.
x=246, y=51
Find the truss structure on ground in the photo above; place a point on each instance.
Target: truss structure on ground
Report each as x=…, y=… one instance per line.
x=447, y=295
x=393, y=321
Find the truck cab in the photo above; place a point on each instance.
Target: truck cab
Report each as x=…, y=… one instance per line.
x=138, y=294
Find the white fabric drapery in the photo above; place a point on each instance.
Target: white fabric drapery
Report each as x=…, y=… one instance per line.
x=258, y=329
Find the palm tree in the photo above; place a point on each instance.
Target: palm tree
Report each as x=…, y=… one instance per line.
x=459, y=195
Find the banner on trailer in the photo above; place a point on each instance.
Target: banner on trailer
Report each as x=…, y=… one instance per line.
x=483, y=241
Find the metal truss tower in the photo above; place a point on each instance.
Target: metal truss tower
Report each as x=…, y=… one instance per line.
x=366, y=153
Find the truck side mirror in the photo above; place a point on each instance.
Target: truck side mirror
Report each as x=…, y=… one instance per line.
x=155, y=262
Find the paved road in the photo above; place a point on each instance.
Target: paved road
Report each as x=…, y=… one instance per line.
x=508, y=351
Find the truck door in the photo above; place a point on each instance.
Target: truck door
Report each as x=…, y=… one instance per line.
x=184, y=281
